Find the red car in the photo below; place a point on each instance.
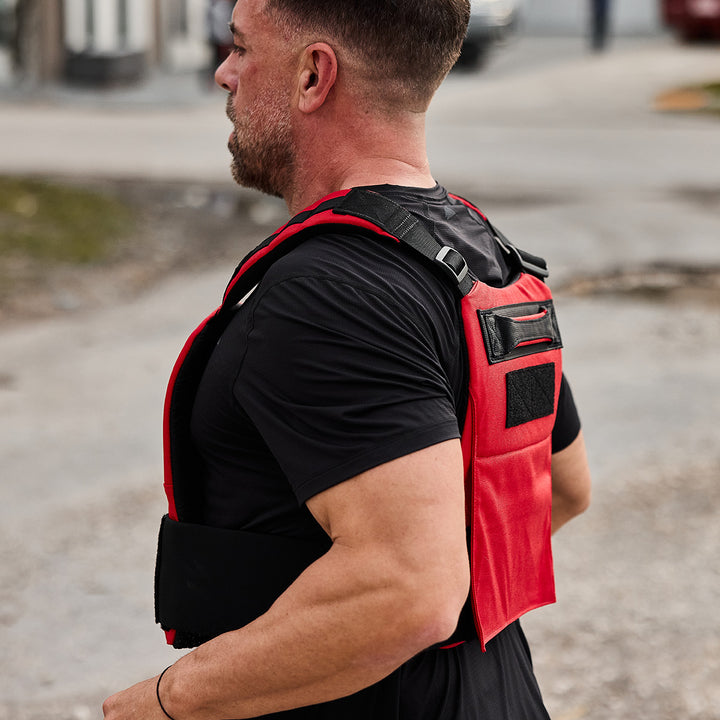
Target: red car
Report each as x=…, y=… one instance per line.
x=693, y=19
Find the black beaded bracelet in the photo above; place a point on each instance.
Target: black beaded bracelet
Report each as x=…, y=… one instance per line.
x=157, y=692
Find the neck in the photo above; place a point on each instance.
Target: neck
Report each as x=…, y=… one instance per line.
x=347, y=154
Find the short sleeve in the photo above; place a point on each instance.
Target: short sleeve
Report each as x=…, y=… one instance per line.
x=567, y=420
x=339, y=378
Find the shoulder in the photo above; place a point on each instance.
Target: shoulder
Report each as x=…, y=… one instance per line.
x=351, y=266
x=350, y=354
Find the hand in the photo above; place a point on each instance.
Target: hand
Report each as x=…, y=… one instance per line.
x=138, y=702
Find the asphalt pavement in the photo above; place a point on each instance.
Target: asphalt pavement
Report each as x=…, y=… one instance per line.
x=566, y=153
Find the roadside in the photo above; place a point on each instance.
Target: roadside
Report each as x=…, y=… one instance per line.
x=181, y=227
x=171, y=227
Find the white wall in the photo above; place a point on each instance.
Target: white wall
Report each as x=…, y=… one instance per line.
x=105, y=36
x=140, y=23
x=629, y=17
x=190, y=50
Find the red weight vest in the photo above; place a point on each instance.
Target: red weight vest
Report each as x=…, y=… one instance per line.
x=514, y=357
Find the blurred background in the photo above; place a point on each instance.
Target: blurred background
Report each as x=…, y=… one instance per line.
x=589, y=131
x=102, y=42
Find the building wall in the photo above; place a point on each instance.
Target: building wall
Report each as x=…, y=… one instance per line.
x=102, y=27
x=171, y=34
x=183, y=29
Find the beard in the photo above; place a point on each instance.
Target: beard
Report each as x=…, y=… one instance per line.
x=261, y=145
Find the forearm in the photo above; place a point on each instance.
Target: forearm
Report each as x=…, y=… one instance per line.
x=342, y=626
x=392, y=584
x=563, y=510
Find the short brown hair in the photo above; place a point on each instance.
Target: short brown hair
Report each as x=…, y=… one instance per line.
x=409, y=44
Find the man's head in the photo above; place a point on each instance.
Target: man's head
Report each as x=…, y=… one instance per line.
x=261, y=144
x=312, y=77
x=258, y=75
x=400, y=49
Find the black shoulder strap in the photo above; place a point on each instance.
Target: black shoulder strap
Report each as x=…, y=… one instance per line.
x=528, y=262
x=400, y=223
x=524, y=261
x=396, y=220
x=382, y=213
x=385, y=215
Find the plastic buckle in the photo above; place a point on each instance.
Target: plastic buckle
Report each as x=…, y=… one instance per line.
x=458, y=274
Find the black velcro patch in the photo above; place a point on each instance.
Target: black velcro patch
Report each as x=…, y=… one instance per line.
x=530, y=394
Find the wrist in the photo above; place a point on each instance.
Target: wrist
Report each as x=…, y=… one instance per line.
x=159, y=696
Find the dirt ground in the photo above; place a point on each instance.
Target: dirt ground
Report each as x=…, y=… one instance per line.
x=182, y=227
x=177, y=227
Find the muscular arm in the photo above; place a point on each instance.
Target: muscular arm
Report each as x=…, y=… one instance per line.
x=392, y=584
x=570, y=483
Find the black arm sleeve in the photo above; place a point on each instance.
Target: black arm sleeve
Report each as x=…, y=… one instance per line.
x=567, y=421
x=339, y=380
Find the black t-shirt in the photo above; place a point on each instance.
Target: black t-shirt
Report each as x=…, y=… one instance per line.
x=348, y=354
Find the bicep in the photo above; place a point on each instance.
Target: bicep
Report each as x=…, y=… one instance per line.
x=338, y=379
x=571, y=474
x=409, y=512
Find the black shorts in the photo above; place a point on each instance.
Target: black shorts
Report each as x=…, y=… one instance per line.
x=462, y=683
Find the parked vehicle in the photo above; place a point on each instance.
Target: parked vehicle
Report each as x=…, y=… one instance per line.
x=490, y=22
x=692, y=19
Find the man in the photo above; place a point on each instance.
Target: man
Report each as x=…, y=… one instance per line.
x=599, y=24
x=330, y=409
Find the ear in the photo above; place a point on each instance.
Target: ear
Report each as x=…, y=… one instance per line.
x=318, y=72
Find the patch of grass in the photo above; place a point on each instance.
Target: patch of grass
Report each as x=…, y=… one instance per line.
x=51, y=222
